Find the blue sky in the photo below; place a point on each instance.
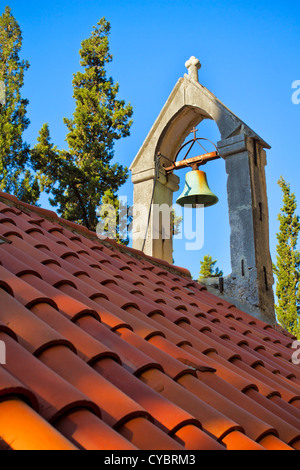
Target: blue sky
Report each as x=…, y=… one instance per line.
x=250, y=56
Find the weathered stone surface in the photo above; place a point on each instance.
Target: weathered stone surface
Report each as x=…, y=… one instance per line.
x=193, y=65
x=243, y=151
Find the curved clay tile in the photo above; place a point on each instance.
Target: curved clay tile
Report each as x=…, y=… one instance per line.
x=158, y=356
x=37, y=434
x=132, y=358
x=87, y=432
x=116, y=407
x=54, y=396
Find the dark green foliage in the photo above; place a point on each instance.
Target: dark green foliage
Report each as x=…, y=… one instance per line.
x=287, y=268
x=15, y=178
x=79, y=177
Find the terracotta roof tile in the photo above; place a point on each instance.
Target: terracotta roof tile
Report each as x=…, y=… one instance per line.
x=132, y=359
x=116, y=407
x=54, y=396
x=22, y=428
x=34, y=334
x=12, y=387
x=167, y=415
x=108, y=348
x=87, y=432
x=139, y=430
x=214, y=422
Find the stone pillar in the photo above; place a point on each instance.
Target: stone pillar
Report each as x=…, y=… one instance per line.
x=159, y=240
x=251, y=280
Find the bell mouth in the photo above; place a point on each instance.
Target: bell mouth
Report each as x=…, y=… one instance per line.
x=196, y=191
x=194, y=201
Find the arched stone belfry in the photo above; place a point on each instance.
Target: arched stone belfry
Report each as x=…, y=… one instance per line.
x=249, y=285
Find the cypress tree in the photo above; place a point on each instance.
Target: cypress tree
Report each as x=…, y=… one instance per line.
x=208, y=268
x=15, y=177
x=79, y=177
x=287, y=268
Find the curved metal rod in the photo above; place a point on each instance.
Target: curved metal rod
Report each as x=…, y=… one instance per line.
x=193, y=141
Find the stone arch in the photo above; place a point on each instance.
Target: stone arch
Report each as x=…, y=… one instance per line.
x=186, y=106
x=178, y=128
x=245, y=159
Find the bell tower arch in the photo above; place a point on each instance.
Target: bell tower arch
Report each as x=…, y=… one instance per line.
x=249, y=285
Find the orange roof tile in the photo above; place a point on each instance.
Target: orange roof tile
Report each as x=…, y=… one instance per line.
x=107, y=348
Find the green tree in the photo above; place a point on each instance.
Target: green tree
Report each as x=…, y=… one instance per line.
x=208, y=268
x=78, y=178
x=176, y=223
x=115, y=218
x=287, y=267
x=15, y=177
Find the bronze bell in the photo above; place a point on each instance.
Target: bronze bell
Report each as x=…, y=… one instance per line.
x=196, y=190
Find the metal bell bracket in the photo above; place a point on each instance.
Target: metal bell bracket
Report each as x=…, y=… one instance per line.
x=193, y=162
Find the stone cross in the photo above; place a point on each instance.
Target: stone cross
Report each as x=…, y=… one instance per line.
x=193, y=65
